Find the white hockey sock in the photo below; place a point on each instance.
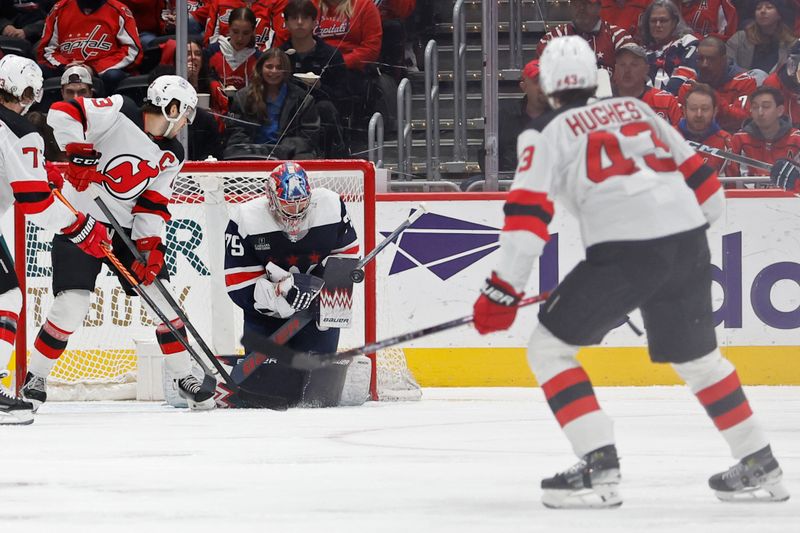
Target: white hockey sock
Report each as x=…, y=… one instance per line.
x=175, y=355
x=569, y=392
x=10, y=304
x=713, y=379
x=65, y=316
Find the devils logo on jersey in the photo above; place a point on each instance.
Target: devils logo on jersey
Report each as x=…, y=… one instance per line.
x=127, y=176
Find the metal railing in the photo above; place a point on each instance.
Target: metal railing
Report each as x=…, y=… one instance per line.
x=423, y=186
x=505, y=184
x=515, y=34
x=375, y=139
x=460, y=82
x=432, y=135
x=490, y=93
x=404, y=129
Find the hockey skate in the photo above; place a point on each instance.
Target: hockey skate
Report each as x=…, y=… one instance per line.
x=190, y=388
x=592, y=483
x=757, y=477
x=13, y=411
x=35, y=390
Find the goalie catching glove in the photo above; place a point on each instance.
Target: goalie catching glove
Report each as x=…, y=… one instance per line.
x=284, y=298
x=153, y=252
x=82, y=167
x=496, y=307
x=786, y=175
x=88, y=234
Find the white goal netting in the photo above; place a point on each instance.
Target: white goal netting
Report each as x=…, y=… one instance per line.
x=100, y=362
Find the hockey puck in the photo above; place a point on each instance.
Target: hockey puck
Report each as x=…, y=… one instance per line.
x=357, y=275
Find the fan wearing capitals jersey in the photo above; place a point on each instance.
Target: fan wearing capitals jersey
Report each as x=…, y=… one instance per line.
x=129, y=158
x=23, y=180
x=276, y=249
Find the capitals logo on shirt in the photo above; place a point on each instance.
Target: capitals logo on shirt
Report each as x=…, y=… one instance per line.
x=90, y=45
x=127, y=176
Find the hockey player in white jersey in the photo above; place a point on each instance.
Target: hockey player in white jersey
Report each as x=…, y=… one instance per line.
x=24, y=180
x=130, y=158
x=643, y=199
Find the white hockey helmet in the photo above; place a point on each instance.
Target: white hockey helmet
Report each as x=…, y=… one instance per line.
x=567, y=63
x=165, y=89
x=17, y=75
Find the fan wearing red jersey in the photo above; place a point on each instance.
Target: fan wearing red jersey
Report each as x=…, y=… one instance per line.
x=787, y=80
x=710, y=17
x=630, y=79
x=643, y=199
x=354, y=27
x=733, y=90
x=699, y=124
x=604, y=37
x=768, y=136
x=99, y=34
x=233, y=58
x=623, y=13
x=24, y=181
x=130, y=158
x=270, y=31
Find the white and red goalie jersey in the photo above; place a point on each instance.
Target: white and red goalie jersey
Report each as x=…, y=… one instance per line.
x=23, y=176
x=104, y=40
x=619, y=168
x=137, y=169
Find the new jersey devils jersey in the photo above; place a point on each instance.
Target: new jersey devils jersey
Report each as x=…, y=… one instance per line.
x=137, y=170
x=254, y=238
x=23, y=178
x=106, y=39
x=619, y=168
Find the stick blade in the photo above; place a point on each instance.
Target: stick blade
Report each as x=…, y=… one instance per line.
x=255, y=342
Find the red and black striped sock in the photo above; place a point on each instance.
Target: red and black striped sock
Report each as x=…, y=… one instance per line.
x=570, y=395
x=8, y=326
x=51, y=340
x=167, y=340
x=725, y=402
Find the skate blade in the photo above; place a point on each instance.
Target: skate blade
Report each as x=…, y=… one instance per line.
x=16, y=418
x=773, y=492
x=597, y=497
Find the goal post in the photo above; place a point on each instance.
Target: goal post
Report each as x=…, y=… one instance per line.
x=100, y=359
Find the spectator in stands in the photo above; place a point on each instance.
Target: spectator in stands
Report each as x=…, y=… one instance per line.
x=787, y=80
x=768, y=136
x=274, y=112
x=269, y=31
x=393, y=22
x=716, y=18
x=605, y=38
x=630, y=79
x=99, y=34
x=670, y=45
x=197, y=73
x=321, y=67
x=23, y=20
x=233, y=57
x=148, y=18
x=169, y=18
x=516, y=114
x=732, y=89
x=624, y=14
x=354, y=27
x=764, y=43
x=76, y=81
x=699, y=124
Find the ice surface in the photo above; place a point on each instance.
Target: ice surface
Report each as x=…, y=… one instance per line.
x=460, y=460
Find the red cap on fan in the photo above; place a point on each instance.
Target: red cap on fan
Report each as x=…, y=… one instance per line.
x=531, y=70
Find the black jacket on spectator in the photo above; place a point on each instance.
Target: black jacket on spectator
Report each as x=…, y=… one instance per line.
x=325, y=61
x=299, y=127
x=29, y=18
x=204, y=137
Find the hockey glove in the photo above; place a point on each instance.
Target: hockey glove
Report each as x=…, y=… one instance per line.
x=88, y=234
x=54, y=175
x=786, y=175
x=305, y=288
x=82, y=168
x=153, y=252
x=496, y=307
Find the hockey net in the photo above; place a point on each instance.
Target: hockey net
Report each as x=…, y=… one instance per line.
x=101, y=360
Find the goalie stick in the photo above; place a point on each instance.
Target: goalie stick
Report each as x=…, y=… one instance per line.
x=357, y=275
x=249, y=398
x=256, y=342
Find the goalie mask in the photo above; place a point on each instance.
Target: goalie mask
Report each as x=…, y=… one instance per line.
x=164, y=90
x=21, y=78
x=289, y=197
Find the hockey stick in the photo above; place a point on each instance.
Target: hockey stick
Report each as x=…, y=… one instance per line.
x=730, y=156
x=357, y=275
x=256, y=342
x=209, y=381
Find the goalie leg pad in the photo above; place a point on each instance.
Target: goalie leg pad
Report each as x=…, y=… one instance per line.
x=356, y=384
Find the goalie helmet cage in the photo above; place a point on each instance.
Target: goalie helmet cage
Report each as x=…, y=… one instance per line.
x=100, y=362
